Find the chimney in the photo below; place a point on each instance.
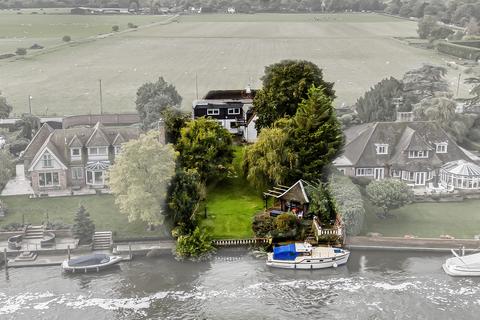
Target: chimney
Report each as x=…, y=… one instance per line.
x=161, y=128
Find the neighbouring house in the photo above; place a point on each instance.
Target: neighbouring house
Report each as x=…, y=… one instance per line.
x=420, y=153
x=232, y=109
x=73, y=158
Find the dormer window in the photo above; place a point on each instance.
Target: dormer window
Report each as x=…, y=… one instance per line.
x=76, y=153
x=213, y=112
x=441, y=147
x=47, y=160
x=417, y=154
x=381, y=148
x=233, y=111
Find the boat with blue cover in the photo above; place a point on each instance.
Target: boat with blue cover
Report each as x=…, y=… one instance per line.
x=305, y=256
x=93, y=262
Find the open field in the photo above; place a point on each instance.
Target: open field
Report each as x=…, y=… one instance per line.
x=231, y=206
x=221, y=51
x=458, y=219
x=102, y=209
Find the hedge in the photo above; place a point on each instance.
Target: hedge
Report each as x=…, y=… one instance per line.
x=458, y=49
x=349, y=202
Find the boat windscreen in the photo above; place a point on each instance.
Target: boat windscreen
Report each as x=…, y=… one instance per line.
x=90, y=260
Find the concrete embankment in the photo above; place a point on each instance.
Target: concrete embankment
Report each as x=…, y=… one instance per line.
x=411, y=244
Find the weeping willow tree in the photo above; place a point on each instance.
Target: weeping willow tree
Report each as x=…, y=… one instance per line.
x=268, y=161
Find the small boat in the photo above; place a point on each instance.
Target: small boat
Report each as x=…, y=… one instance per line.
x=305, y=256
x=468, y=265
x=93, y=262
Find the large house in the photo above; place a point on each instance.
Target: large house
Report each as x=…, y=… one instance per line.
x=419, y=152
x=231, y=108
x=59, y=159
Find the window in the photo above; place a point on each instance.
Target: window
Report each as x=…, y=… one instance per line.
x=75, y=153
x=97, y=151
x=233, y=125
x=47, y=160
x=77, y=173
x=117, y=149
x=233, y=110
x=48, y=179
x=395, y=173
x=213, y=112
x=364, y=172
x=441, y=147
x=418, y=154
x=381, y=148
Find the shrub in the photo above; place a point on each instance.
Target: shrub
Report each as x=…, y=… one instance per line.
x=286, y=222
x=132, y=26
x=66, y=39
x=57, y=225
x=18, y=146
x=263, y=224
x=195, y=246
x=13, y=226
x=21, y=51
x=115, y=28
x=3, y=209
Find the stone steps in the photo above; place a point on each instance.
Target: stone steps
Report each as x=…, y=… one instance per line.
x=102, y=240
x=34, y=232
x=26, y=256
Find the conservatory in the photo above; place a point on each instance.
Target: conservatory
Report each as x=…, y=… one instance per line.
x=460, y=174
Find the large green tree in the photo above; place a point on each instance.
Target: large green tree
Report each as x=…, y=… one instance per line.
x=315, y=135
x=28, y=125
x=389, y=194
x=268, y=161
x=378, y=103
x=153, y=98
x=7, y=168
x=5, y=108
x=174, y=120
x=205, y=146
x=285, y=85
x=140, y=177
x=185, y=193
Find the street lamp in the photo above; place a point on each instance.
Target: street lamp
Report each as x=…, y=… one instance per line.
x=30, y=103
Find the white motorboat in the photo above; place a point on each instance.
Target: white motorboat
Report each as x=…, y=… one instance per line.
x=305, y=256
x=465, y=266
x=94, y=262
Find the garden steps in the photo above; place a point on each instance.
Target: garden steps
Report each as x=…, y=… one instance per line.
x=102, y=240
x=26, y=256
x=34, y=232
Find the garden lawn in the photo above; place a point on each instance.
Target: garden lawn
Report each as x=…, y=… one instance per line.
x=458, y=219
x=102, y=209
x=231, y=205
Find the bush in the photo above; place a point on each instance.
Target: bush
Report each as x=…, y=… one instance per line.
x=263, y=224
x=349, y=203
x=21, y=51
x=57, y=225
x=18, y=146
x=361, y=181
x=3, y=209
x=36, y=46
x=195, y=246
x=132, y=26
x=115, y=28
x=66, y=39
x=286, y=222
x=13, y=226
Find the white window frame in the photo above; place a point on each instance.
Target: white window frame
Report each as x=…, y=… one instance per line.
x=233, y=111
x=441, y=147
x=364, y=172
x=75, y=156
x=47, y=160
x=396, y=173
x=117, y=149
x=213, y=112
x=413, y=154
x=77, y=173
x=97, y=149
x=381, y=148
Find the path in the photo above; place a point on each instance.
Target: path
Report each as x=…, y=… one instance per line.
x=18, y=185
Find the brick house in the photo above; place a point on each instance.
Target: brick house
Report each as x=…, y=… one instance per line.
x=59, y=159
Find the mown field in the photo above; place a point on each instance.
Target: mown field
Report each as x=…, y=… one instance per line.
x=221, y=51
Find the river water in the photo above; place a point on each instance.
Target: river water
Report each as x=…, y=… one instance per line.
x=236, y=285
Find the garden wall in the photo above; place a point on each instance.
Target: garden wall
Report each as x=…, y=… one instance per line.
x=462, y=49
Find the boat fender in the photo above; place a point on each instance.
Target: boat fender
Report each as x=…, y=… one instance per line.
x=334, y=265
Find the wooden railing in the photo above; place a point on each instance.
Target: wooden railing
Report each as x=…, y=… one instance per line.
x=337, y=230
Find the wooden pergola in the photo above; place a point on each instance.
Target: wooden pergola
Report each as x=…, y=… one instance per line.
x=289, y=197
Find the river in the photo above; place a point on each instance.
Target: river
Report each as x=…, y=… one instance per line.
x=236, y=285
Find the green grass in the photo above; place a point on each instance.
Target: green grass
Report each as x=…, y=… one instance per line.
x=231, y=205
x=102, y=209
x=459, y=219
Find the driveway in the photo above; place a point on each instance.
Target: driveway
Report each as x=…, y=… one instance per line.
x=19, y=185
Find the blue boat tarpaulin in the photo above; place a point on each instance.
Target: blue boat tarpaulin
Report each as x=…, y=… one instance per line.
x=287, y=252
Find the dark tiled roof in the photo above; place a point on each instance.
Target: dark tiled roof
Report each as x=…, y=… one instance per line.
x=401, y=137
x=37, y=141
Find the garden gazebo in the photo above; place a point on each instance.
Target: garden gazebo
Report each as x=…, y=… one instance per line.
x=460, y=174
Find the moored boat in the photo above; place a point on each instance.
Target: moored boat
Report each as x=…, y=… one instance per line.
x=466, y=266
x=305, y=256
x=89, y=263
